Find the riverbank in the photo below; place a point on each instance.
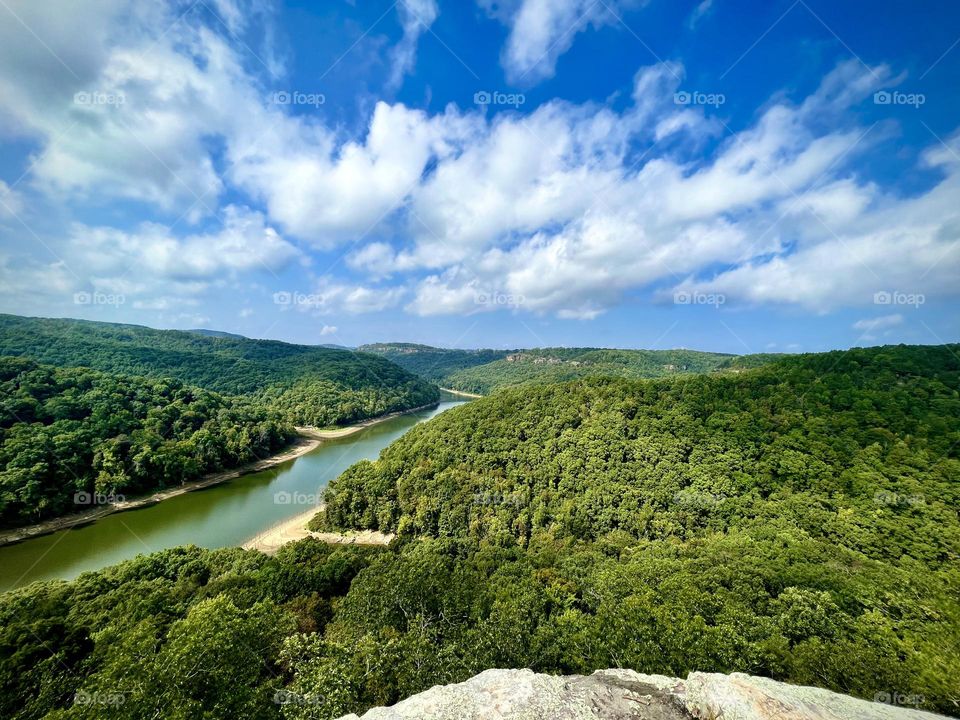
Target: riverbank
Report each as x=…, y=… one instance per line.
x=309, y=440
x=461, y=393
x=295, y=528
x=300, y=446
x=334, y=433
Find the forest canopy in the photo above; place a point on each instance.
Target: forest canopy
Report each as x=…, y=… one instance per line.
x=821, y=487
x=91, y=412
x=798, y=520
x=73, y=438
x=483, y=371
x=308, y=385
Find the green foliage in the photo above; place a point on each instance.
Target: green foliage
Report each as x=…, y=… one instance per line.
x=184, y=633
x=308, y=384
x=859, y=447
x=483, y=371
x=68, y=435
x=430, y=363
x=798, y=521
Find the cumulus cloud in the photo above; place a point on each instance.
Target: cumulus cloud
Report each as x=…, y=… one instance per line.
x=21, y=278
x=874, y=328
x=326, y=193
x=330, y=297
x=572, y=230
x=560, y=209
x=245, y=242
x=118, y=119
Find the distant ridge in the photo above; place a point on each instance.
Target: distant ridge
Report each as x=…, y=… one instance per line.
x=217, y=333
x=308, y=384
x=482, y=371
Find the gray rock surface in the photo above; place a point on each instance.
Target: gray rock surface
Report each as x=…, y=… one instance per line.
x=627, y=695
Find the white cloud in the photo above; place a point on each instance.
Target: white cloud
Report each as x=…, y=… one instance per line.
x=120, y=118
x=699, y=12
x=377, y=259
x=244, y=243
x=22, y=279
x=542, y=30
x=567, y=206
x=325, y=193
x=910, y=245
x=328, y=330
x=879, y=323
x=574, y=229
x=331, y=297
x=11, y=202
x=416, y=16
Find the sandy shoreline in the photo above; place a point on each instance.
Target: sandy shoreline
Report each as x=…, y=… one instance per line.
x=295, y=528
x=319, y=434
x=310, y=439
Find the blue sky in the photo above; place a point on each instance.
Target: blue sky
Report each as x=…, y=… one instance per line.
x=723, y=175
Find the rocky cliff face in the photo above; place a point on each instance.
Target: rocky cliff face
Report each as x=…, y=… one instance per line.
x=626, y=695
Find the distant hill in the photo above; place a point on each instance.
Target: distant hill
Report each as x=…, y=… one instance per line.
x=740, y=363
x=534, y=367
x=216, y=333
x=432, y=363
x=482, y=371
x=307, y=384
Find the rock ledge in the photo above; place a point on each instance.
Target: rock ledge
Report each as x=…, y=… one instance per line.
x=627, y=695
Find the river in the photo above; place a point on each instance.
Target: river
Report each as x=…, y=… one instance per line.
x=220, y=516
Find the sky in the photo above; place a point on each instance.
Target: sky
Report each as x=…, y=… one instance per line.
x=723, y=175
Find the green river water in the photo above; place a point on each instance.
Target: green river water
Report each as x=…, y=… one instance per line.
x=219, y=516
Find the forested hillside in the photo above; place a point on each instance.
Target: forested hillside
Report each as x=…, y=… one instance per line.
x=682, y=457
x=798, y=521
x=72, y=438
x=551, y=365
x=431, y=363
x=778, y=521
x=325, y=386
x=482, y=371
